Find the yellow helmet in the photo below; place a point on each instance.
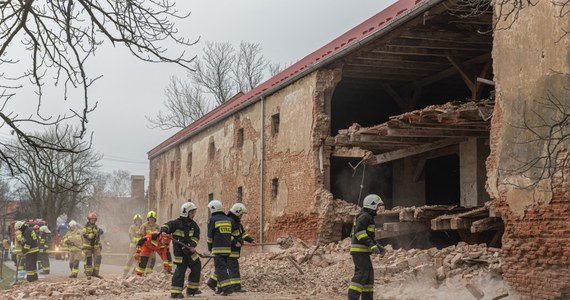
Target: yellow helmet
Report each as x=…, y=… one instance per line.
x=137, y=217
x=151, y=214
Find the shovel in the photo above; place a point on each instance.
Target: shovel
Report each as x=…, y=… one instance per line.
x=192, y=250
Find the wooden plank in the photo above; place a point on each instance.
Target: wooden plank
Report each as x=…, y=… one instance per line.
x=486, y=224
x=387, y=217
x=350, y=152
x=460, y=223
x=398, y=154
x=404, y=226
x=461, y=70
x=476, y=212
x=441, y=223
x=438, y=132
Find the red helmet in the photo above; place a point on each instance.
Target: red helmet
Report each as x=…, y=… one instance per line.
x=36, y=227
x=92, y=216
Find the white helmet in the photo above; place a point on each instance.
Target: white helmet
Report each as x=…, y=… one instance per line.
x=18, y=225
x=238, y=209
x=186, y=208
x=72, y=224
x=372, y=201
x=44, y=229
x=215, y=206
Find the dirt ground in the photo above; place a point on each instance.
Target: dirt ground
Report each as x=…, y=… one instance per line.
x=308, y=272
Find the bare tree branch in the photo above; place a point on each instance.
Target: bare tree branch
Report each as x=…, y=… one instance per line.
x=59, y=38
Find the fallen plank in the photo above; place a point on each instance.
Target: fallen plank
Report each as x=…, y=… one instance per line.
x=460, y=223
x=486, y=224
x=404, y=226
x=295, y=265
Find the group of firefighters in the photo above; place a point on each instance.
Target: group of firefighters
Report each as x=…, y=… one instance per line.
x=31, y=244
x=225, y=237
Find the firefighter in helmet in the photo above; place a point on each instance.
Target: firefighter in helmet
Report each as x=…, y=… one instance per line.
x=239, y=236
x=91, y=234
x=150, y=226
x=29, y=249
x=219, y=244
x=363, y=244
x=186, y=231
x=44, y=242
x=150, y=243
x=73, y=241
x=134, y=236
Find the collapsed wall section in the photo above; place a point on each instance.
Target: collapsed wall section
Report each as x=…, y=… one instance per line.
x=528, y=167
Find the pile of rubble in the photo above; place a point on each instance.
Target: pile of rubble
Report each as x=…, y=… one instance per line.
x=323, y=270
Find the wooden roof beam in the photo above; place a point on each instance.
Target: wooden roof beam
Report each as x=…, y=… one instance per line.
x=398, y=154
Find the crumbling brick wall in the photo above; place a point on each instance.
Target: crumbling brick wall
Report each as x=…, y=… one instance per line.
x=531, y=70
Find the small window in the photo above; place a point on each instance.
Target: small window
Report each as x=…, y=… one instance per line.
x=171, y=169
x=275, y=124
x=239, y=138
x=212, y=150
x=189, y=163
x=274, y=187
x=239, y=194
x=210, y=197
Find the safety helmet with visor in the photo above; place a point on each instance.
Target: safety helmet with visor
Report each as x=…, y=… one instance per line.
x=186, y=208
x=372, y=201
x=215, y=206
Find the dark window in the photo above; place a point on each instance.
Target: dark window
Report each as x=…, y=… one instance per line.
x=212, y=150
x=240, y=138
x=189, y=163
x=239, y=194
x=275, y=124
x=274, y=187
x=210, y=196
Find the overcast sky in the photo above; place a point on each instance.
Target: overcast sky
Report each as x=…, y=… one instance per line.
x=131, y=89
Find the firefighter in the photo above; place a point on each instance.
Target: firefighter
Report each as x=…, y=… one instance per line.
x=153, y=242
x=44, y=241
x=150, y=226
x=29, y=250
x=18, y=241
x=363, y=244
x=238, y=237
x=185, y=230
x=219, y=244
x=91, y=235
x=73, y=240
x=134, y=236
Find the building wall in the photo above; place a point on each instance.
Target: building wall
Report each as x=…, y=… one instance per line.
x=289, y=159
x=531, y=62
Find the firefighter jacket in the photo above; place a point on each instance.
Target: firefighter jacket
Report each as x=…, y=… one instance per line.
x=91, y=235
x=73, y=240
x=18, y=241
x=184, y=230
x=363, y=233
x=153, y=242
x=219, y=234
x=238, y=235
x=30, y=240
x=147, y=228
x=44, y=241
x=134, y=235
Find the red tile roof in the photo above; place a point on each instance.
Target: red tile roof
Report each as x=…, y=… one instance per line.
x=339, y=46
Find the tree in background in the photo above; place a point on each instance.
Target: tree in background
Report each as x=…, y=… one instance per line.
x=61, y=183
x=59, y=38
x=222, y=72
x=185, y=103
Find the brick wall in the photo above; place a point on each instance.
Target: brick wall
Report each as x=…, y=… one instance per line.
x=537, y=247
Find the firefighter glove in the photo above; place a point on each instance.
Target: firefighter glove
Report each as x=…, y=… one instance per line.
x=375, y=249
x=137, y=255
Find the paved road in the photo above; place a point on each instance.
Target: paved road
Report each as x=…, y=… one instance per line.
x=60, y=268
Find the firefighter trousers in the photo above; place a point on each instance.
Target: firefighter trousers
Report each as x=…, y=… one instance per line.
x=362, y=283
x=31, y=266
x=44, y=262
x=193, y=283
x=221, y=269
x=233, y=273
x=92, y=260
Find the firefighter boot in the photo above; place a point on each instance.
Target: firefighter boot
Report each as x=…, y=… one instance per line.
x=211, y=284
x=193, y=293
x=176, y=295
